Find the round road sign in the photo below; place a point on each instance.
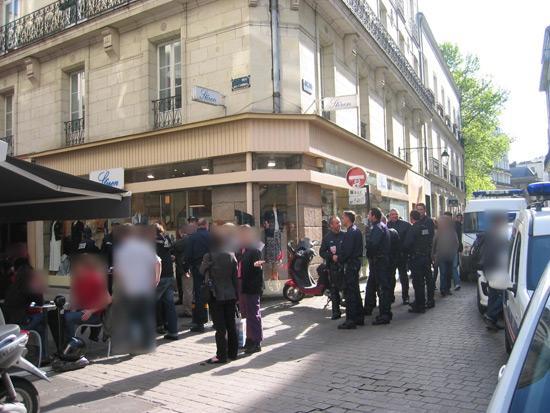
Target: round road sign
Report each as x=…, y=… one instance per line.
x=356, y=177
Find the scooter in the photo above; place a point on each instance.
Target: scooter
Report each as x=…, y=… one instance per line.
x=17, y=393
x=300, y=282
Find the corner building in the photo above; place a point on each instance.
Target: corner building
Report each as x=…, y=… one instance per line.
x=116, y=85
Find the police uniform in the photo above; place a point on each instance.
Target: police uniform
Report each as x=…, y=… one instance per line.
x=336, y=270
x=199, y=245
x=398, y=258
x=350, y=257
x=378, y=252
x=419, y=246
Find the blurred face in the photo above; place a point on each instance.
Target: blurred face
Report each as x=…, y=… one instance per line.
x=459, y=218
x=394, y=216
x=335, y=225
x=346, y=221
x=372, y=218
x=421, y=209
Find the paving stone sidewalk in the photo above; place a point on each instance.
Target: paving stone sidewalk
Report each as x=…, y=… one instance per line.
x=441, y=361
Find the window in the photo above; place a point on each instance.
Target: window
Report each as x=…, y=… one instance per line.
x=531, y=393
x=11, y=10
x=537, y=259
x=78, y=93
x=169, y=74
x=8, y=115
x=277, y=161
x=383, y=16
x=517, y=255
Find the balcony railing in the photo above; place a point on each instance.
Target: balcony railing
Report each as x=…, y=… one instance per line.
x=51, y=19
x=74, y=132
x=9, y=140
x=167, y=112
x=362, y=11
x=435, y=167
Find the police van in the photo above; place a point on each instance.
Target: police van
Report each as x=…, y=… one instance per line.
x=529, y=255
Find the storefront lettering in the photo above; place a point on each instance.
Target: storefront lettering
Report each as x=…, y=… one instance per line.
x=103, y=178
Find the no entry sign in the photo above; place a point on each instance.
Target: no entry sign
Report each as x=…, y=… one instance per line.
x=356, y=177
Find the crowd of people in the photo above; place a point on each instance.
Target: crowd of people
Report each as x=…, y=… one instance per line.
x=425, y=246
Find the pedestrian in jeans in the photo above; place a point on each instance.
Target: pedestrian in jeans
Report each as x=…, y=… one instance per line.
x=165, y=287
x=444, y=248
x=219, y=269
x=251, y=275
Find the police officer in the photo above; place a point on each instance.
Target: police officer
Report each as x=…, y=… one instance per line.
x=418, y=245
x=331, y=247
x=430, y=278
x=350, y=258
x=398, y=258
x=199, y=245
x=378, y=253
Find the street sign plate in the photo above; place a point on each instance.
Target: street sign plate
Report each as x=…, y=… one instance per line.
x=357, y=196
x=356, y=177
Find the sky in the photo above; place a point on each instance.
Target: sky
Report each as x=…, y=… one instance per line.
x=507, y=36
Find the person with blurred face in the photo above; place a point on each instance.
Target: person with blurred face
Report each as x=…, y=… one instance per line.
x=430, y=225
x=444, y=249
x=399, y=261
x=331, y=248
x=251, y=286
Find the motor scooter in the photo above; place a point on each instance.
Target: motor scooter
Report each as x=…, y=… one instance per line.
x=300, y=282
x=17, y=393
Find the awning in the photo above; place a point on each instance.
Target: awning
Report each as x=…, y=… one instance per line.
x=30, y=192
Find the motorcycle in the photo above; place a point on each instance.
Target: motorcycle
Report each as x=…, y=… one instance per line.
x=300, y=282
x=17, y=393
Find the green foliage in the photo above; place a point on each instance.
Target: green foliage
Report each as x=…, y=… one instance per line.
x=481, y=104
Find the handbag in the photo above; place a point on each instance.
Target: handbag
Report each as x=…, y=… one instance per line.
x=240, y=324
x=206, y=291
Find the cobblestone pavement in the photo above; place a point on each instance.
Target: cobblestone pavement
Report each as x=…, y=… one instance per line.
x=444, y=360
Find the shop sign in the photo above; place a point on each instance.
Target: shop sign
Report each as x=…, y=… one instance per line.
x=339, y=102
x=358, y=196
x=307, y=87
x=111, y=177
x=240, y=82
x=381, y=182
x=356, y=177
x=208, y=96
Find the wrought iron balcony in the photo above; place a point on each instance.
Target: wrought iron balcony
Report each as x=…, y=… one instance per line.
x=74, y=132
x=51, y=19
x=167, y=112
x=362, y=11
x=9, y=140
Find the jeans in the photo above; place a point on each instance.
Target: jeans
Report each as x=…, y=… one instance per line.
x=494, y=304
x=354, y=309
x=165, y=296
x=253, y=316
x=445, y=274
x=223, y=317
x=37, y=323
x=74, y=318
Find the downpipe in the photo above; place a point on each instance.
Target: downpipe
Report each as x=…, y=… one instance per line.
x=275, y=55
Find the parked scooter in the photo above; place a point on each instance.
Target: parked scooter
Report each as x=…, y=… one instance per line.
x=300, y=282
x=17, y=393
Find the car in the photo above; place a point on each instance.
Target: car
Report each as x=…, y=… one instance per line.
x=524, y=382
x=529, y=255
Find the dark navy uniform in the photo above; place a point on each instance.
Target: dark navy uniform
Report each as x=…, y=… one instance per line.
x=336, y=270
x=350, y=257
x=419, y=246
x=398, y=259
x=378, y=252
x=199, y=245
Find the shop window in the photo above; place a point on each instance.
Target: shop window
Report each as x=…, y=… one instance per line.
x=335, y=168
x=277, y=161
x=397, y=186
x=168, y=171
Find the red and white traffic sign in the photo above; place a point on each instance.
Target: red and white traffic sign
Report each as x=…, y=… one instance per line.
x=356, y=177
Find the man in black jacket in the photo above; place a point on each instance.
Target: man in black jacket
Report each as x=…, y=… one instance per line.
x=378, y=252
x=350, y=258
x=165, y=289
x=199, y=245
x=330, y=248
x=399, y=258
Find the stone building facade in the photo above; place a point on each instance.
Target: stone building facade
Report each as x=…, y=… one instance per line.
x=218, y=108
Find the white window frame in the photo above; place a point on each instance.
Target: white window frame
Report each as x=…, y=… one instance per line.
x=14, y=8
x=8, y=114
x=81, y=94
x=172, y=66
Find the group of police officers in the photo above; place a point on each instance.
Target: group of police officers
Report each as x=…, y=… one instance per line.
x=392, y=244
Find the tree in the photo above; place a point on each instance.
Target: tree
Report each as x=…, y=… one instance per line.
x=480, y=107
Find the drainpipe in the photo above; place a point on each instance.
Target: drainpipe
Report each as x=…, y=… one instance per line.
x=275, y=55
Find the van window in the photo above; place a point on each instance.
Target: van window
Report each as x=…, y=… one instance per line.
x=537, y=259
x=475, y=222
